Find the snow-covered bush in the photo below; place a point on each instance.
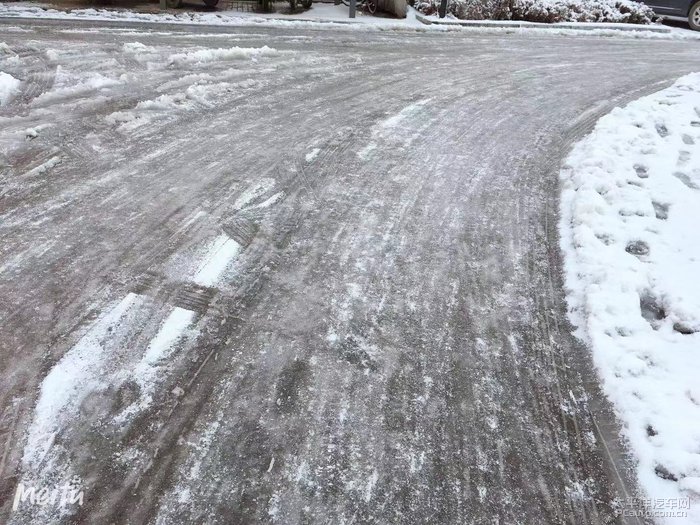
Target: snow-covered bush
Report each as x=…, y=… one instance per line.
x=623, y=11
x=549, y=11
x=468, y=9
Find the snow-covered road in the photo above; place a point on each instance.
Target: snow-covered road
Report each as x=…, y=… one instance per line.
x=296, y=276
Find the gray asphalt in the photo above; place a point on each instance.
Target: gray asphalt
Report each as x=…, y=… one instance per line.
x=392, y=344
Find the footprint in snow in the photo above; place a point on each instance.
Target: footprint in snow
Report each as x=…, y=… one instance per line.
x=642, y=171
x=683, y=328
x=685, y=179
x=662, y=130
x=638, y=248
x=664, y=473
x=652, y=309
x=661, y=210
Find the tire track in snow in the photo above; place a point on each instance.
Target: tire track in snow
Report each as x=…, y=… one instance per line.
x=217, y=257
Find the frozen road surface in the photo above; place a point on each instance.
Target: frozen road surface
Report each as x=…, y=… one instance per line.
x=296, y=276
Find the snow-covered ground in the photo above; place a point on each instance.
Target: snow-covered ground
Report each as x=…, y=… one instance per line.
x=630, y=213
x=320, y=15
x=327, y=16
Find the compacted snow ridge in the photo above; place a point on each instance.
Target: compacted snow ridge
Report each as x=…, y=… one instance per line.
x=210, y=55
x=630, y=212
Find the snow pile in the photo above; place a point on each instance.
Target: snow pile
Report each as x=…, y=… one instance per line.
x=630, y=212
x=195, y=96
x=141, y=52
x=9, y=87
x=135, y=47
x=548, y=11
x=8, y=58
x=69, y=84
x=211, y=55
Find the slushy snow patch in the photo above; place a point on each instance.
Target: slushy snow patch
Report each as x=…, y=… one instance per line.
x=311, y=155
x=176, y=327
x=69, y=83
x=220, y=254
x=254, y=192
x=77, y=374
x=630, y=210
x=9, y=87
x=212, y=55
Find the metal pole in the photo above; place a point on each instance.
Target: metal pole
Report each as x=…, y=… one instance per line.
x=352, y=8
x=443, y=8
x=163, y=5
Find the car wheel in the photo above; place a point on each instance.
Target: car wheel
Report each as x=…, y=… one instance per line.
x=694, y=17
x=211, y=3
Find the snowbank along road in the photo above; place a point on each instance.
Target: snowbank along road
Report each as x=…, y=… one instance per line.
x=628, y=222
x=300, y=277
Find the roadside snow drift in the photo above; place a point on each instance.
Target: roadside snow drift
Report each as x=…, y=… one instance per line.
x=630, y=213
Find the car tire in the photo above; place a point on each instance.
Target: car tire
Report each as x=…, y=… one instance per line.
x=694, y=17
x=211, y=3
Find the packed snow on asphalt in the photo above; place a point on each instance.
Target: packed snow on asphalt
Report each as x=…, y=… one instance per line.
x=280, y=275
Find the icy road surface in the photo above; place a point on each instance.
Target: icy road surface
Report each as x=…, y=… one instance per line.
x=257, y=276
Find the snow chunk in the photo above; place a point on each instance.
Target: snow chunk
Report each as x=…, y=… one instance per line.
x=45, y=166
x=135, y=47
x=9, y=87
x=311, y=155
